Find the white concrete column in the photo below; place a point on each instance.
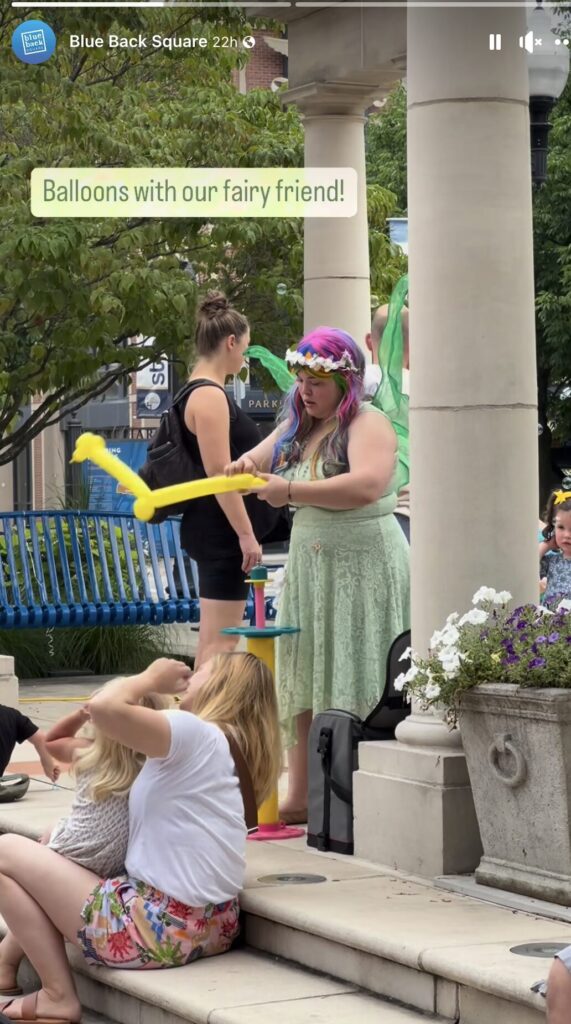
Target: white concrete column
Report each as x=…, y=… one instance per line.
x=7, y=488
x=9, y=688
x=473, y=416
x=53, y=452
x=336, y=250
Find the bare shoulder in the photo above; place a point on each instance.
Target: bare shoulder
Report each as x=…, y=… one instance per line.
x=207, y=395
x=370, y=423
x=206, y=403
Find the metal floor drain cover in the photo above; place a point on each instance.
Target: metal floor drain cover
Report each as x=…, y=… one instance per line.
x=292, y=879
x=543, y=949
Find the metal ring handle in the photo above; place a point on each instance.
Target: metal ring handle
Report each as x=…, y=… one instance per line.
x=503, y=743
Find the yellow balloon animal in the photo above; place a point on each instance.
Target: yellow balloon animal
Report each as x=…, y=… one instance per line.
x=92, y=446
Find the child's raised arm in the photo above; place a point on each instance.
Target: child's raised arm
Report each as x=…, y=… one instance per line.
x=61, y=739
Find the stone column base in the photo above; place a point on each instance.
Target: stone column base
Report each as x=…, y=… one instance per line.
x=8, y=682
x=414, y=810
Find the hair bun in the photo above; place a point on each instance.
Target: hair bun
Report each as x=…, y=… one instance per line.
x=213, y=305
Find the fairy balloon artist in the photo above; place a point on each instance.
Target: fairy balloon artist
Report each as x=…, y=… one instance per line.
x=333, y=457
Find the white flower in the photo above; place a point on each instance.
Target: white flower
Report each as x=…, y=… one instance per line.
x=400, y=682
x=450, y=660
x=452, y=619
x=449, y=655
x=475, y=617
x=444, y=637
x=564, y=606
x=484, y=594
x=405, y=678
x=406, y=654
x=431, y=691
x=542, y=610
x=502, y=597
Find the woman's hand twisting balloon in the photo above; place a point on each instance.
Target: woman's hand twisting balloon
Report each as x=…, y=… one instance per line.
x=274, y=491
x=242, y=465
x=165, y=675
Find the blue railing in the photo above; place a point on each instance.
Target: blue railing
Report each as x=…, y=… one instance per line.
x=94, y=569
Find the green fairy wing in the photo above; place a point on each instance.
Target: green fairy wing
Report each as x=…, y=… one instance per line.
x=273, y=364
x=389, y=397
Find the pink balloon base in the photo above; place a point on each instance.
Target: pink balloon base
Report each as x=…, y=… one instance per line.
x=277, y=831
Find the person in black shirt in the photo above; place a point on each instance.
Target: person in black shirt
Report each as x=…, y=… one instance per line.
x=15, y=728
x=222, y=534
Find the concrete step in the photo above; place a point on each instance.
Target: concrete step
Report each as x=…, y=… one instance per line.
x=241, y=987
x=395, y=936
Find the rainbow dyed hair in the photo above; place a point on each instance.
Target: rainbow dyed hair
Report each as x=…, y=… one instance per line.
x=319, y=349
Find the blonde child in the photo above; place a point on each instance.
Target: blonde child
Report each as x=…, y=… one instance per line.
x=184, y=869
x=557, y=544
x=96, y=831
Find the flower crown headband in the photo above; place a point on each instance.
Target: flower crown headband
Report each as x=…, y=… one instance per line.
x=561, y=496
x=310, y=361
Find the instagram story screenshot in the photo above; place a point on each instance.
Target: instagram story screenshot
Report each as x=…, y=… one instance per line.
x=285, y=503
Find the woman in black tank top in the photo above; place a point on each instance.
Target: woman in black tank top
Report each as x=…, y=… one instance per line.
x=219, y=533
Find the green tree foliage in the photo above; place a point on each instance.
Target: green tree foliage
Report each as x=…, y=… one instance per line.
x=73, y=291
x=386, y=148
x=552, y=250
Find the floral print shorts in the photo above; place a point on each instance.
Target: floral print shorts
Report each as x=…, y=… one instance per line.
x=129, y=924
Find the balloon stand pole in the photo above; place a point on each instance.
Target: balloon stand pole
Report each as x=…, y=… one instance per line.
x=260, y=640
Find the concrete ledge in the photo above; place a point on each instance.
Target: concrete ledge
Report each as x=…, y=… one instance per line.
x=41, y=807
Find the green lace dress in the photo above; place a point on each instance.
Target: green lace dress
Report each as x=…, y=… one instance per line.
x=347, y=588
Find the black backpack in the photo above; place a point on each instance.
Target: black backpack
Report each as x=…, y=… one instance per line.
x=333, y=745
x=169, y=460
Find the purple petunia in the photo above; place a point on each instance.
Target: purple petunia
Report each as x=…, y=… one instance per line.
x=537, y=663
x=512, y=659
x=553, y=638
x=541, y=640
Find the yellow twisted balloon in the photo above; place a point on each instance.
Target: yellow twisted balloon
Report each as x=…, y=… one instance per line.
x=561, y=496
x=93, y=447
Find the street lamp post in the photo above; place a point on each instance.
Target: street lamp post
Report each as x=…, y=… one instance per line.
x=548, y=67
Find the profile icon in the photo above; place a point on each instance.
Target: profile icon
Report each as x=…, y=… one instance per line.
x=33, y=42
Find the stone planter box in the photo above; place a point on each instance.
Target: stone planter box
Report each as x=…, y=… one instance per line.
x=518, y=749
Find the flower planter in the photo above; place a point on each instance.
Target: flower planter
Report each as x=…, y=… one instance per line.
x=518, y=748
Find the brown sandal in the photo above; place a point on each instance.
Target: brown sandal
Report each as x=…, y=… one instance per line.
x=29, y=1013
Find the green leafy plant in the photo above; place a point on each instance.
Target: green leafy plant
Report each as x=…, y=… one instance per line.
x=529, y=646
x=101, y=650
